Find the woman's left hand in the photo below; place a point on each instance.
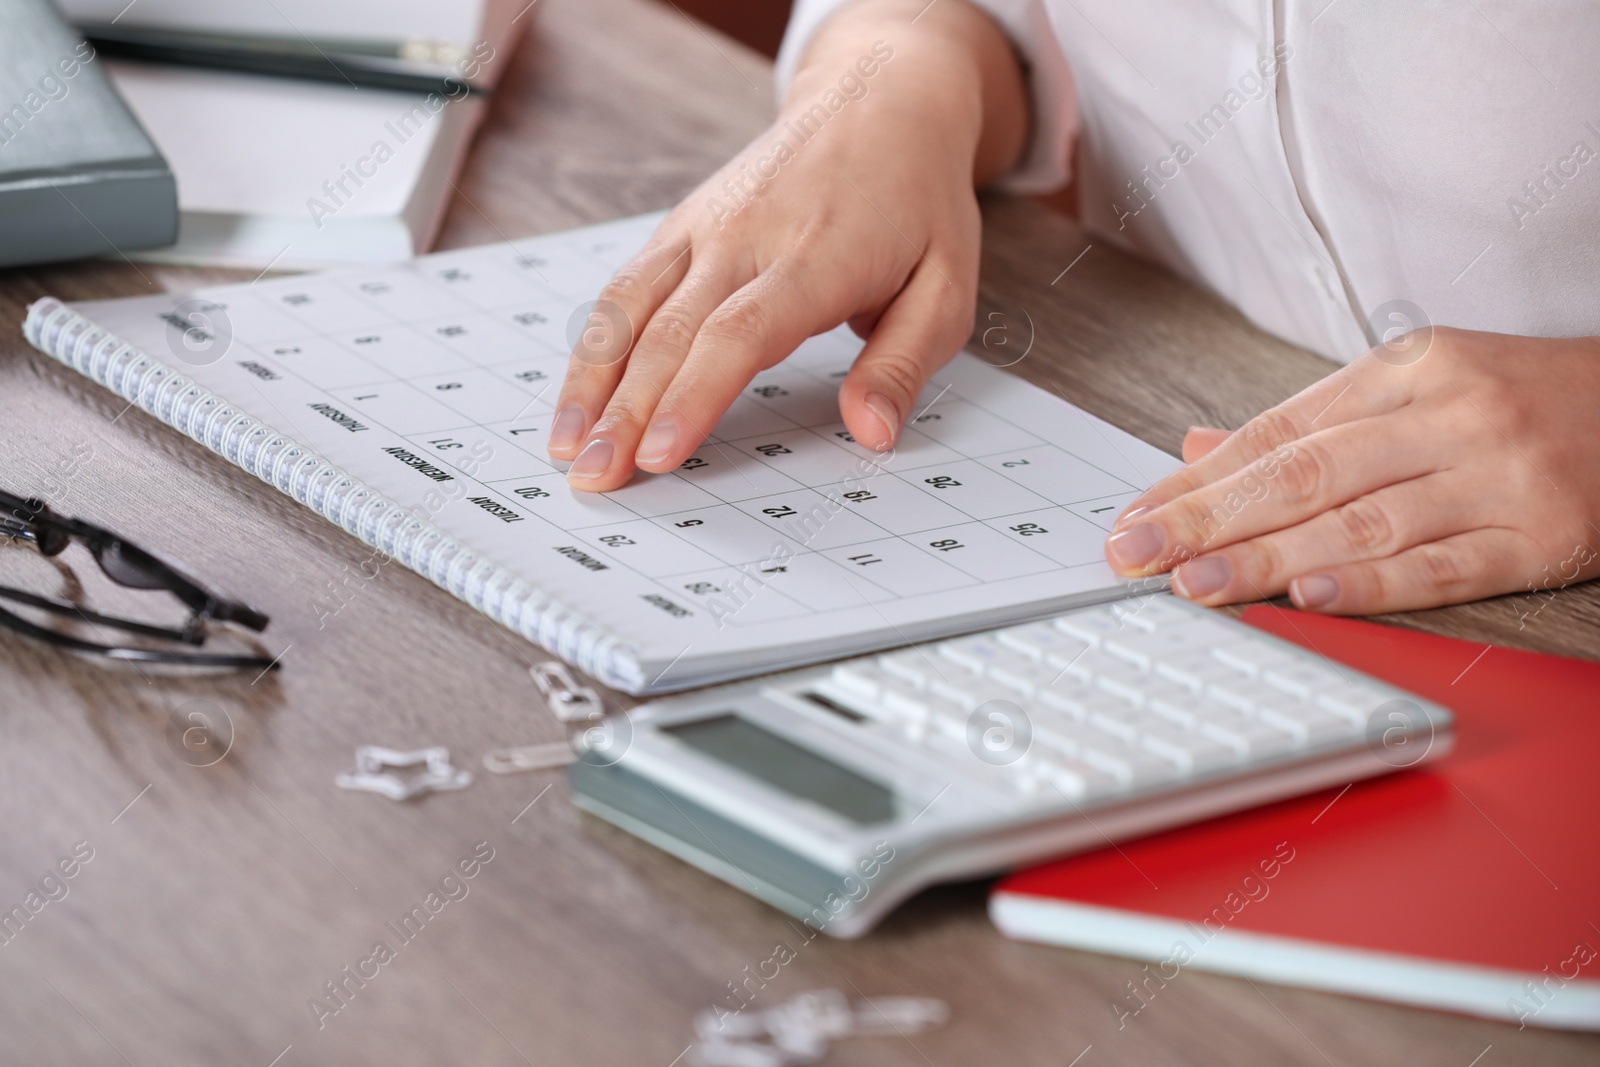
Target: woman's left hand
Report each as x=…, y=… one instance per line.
x=1444, y=466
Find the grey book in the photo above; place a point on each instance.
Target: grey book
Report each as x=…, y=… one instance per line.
x=78, y=175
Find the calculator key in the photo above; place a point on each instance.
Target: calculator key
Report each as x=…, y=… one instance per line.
x=1057, y=732
x=1193, y=754
x=1147, y=648
x=1307, y=724
x=1302, y=679
x=1167, y=749
x=1232, y=693
x=1180, y=711
x=906, y=703
x=1090, y=627
x=1122, y=680
x=1131, y=614
x=863, y=679
x=911, y=666
x=975, y=653
x=1353, y=703
x=1121, y=727
x=1163, y=610
x=1162, y=691
x=1065, y=697
x=1252, y=657
x=1025, y=676
x=1043, y=642
x=1132, y=766
x=1194, y=672
x=966, y=690
x=1077, y=781
x=949, y=720
x=1248, y=737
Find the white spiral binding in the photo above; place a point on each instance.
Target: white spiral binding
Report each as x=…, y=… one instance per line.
x=63, y=334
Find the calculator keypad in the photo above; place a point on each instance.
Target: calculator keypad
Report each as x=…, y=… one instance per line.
x=1132, y=696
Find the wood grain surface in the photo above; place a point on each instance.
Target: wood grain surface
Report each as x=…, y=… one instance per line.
x=220, y=900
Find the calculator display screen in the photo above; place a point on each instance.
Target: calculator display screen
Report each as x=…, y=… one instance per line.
x=788, y=767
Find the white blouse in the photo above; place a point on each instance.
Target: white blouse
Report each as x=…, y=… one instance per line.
x=1337, y=169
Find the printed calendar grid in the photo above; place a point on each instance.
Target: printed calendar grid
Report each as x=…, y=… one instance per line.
x=794, y=405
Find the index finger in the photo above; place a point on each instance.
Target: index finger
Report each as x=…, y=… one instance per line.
x=601, y=349
x=754, y=328
x=1348, y=394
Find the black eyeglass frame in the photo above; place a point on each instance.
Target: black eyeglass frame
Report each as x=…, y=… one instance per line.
x=30, y=519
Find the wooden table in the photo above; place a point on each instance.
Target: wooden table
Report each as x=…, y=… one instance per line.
x=221, y=899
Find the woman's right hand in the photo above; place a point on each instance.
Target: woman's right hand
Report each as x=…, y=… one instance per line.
x=857, y=205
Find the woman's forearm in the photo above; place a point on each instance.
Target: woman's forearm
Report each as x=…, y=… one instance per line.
x=953, y=75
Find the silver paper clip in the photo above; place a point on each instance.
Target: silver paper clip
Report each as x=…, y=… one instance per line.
x=529, y=758
x=376, y=766
x=573, y=704
x=800, y=1029
x=567, y=700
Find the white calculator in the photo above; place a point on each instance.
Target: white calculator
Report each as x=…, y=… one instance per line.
x=833, y=793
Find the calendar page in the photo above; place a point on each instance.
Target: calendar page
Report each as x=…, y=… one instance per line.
x=780, y=541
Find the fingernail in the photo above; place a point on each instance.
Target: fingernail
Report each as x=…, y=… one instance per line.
x=1136, y=546
x=593, y=460
x=1129, y=515
x=884, y=408
x=567, y=428
x=1314, y=591
x=658, y=441
x=1202, y=577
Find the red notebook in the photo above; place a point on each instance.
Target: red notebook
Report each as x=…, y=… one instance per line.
x=1469, y=884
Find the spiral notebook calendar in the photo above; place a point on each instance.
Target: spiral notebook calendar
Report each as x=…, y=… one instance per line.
x=409, y=405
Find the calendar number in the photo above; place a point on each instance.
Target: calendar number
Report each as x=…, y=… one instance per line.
x=946, y=545
x=530, y=375
x=686, y=523
x=530, y=318
x=374, y=288
x=767, y=392
x=445, y=387
x=295, y=300
x=864, y=559
x=856, y=496
x=455, y=274
x=941, y=481
x=450, y=331
x=702, y=588
x=617, y=539
x=774, y=450
x=531, y=492
x=445, y=444
x=1014, y=463
x=1028, y=529
x=369, y=340
x=693, y=463
x=782, y=511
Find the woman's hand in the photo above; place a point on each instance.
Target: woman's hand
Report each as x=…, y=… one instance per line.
x=1445, y=466
x=857, y=206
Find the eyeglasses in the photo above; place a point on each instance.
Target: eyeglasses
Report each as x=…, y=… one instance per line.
x=128, y=565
